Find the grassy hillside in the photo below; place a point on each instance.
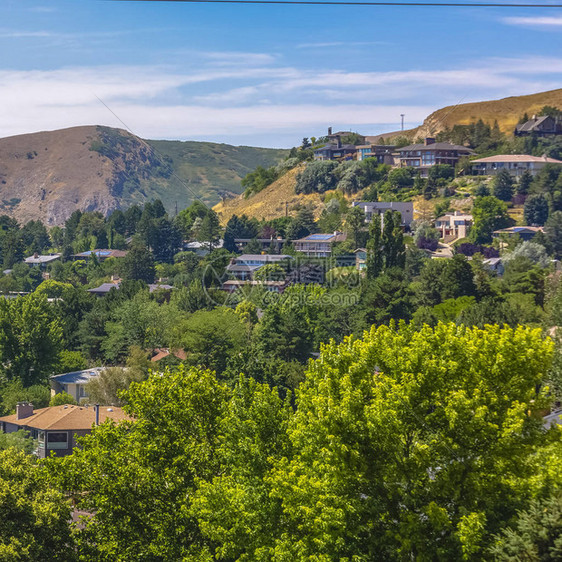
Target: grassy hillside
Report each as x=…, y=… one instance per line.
x=272, y=202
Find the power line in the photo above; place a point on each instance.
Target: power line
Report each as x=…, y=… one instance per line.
x=343, y=3
x=154, y=151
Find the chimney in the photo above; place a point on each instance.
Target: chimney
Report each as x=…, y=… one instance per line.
x=23, y=410
x=429, y=140
x=35, y=255
x=97, y=413
x=534, y=117
x=329, y=131
x=339, y=141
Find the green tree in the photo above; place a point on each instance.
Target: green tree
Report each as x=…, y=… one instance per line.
x=150, y=468
x=393, y=241
x=489, y=214
x=536, y=210
x=210, y=337
x=406, y=444
x=375, y=257
x=138, y=264
x=210, y=229
x=524, y=184
x=553, y=231
x=502, y=186
x=35, y=523
x=61, y=398
x=30, y=338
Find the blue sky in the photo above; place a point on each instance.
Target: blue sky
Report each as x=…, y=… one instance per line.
x=262, y=75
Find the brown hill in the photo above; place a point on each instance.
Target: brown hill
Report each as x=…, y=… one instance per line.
x=272, y=202
x=50, y=174
x=507, y=112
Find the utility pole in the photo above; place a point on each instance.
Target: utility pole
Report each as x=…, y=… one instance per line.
x=402, y=117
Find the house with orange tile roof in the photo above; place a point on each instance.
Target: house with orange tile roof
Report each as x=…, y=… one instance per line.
x=56, y=428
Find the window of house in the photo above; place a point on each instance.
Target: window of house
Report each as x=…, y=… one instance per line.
x=57, y=440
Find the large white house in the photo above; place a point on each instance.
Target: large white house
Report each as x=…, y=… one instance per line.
x=515, y=164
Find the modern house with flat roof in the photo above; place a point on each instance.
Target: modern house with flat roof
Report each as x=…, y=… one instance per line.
x=319, y=245
x=430, y=153
x=74, y=383
x=336, y=151
x=57, y=427
x=515, y=164
x=454, y=225
x=372, y=208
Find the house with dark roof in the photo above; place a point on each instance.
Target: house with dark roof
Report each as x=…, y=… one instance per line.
x=336, y=151
x=382, y=153
x=56, y=428
x=74, y=383
x=430, y=153
x=515, y=164
x=540, y=126
x=105, y=288
x=319, y=245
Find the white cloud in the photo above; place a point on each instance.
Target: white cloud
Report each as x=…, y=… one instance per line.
x=253, y=97
x=547, y=21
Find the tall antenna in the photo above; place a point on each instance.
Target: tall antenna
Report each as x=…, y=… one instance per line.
x=402, y=115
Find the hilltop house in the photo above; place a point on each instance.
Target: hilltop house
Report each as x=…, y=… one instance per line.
x=370, y=208
x=337, y=151
x=542, y=126
x=383, y=153
x=424, y=156
x=57, y=427
x=319, y=245
x=515, y=164
x=74, y=383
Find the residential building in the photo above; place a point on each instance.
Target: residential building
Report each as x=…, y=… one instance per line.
x=540, y=126
x=454, y=225
x=243, y=267
x=524, y=232
x=162, y=353
x=424, y=156
x=105, y=288
x=336, y=151
x=334, y=137
x=101, y=255
x=361, y=259
x=383, y=153
x=41, y=260
x=74, y=383
x=515, y=164
x=201, y=248
x=266, y=244
x=56, y=428
x=319, y=245
x=233, y=285
x=370, y=208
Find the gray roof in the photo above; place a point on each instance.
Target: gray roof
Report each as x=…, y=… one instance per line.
x=42, y=259
x=532, y=124
x=104, y=288
x=435, y=146
x=242, y=267
x=78, y=377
